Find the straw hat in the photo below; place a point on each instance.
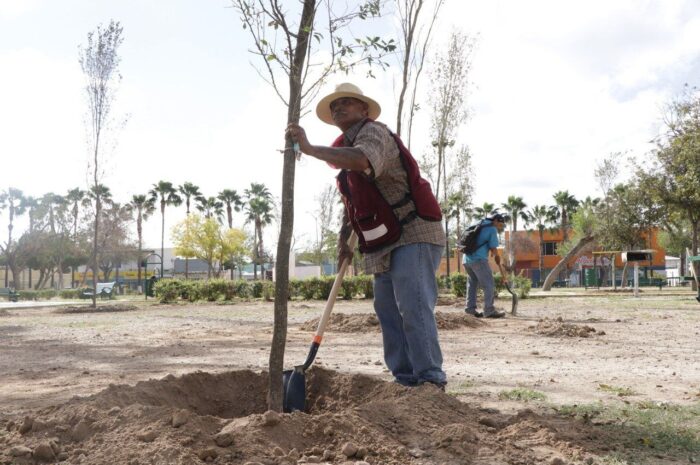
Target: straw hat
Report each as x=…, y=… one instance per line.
x=323, y=109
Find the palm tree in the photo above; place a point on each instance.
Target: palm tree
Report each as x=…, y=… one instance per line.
x=233, y=202
x=515, y=207
x=189, y=191
x=259, y=211
x=75, y=198
x=13, y=200
x=211, y=207
x=165, y=193
x=143, y=206
x=97, y=195
x=457, y=208
x=566, y=204
x=541, y=216
x=484, y=210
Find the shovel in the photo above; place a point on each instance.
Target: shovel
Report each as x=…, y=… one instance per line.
x=294, y=381
x=514, y=308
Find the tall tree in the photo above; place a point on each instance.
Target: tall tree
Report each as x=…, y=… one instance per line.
x=211, y=207
x=483, y=210
x=99, y=60
x=165, y=194
x=74, y=197
x=298, y=55
x=566, y=204
x=233, y=202
x=258, y=209
x=189, y=191
x=416, y=32
x=541, y=216
x=515, y=207
x=13, y=200
x=142, y=207
x=674, y=176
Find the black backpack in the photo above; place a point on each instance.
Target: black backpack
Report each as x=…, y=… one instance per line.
x=467, y=243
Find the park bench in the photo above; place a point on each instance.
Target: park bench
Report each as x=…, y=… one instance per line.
x=12, y=296
x=104, y=291
x=648, y=282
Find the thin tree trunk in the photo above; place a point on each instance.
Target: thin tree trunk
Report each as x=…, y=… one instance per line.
x=279, y=333
x=552, y=276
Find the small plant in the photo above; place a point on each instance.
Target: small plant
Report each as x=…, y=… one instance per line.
x=620, y=391
x=522, y=394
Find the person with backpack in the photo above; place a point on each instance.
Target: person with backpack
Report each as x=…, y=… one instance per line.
x=478, y=241
x=396, y=217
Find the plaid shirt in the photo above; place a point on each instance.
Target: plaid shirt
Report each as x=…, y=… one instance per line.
x=377, y=144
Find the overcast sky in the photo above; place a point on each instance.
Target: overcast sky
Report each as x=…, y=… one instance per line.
x=556, y=86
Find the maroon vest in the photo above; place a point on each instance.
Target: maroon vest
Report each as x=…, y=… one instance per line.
x=372, y=217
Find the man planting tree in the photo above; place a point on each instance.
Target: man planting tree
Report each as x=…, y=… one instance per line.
x=397, y=221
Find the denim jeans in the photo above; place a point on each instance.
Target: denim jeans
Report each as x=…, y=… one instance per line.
x=479, y=273
x=404, y=301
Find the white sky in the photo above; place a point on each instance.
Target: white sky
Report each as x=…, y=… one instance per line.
x=557, y=85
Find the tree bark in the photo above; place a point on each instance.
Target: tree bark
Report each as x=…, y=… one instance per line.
x=551, y=277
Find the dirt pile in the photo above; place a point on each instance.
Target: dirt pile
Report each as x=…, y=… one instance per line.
x=557, y=328
x=109, y=308
x=362, y=322
x=221, y=419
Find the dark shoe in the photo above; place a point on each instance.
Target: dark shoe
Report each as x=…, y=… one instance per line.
x=473, y=313
x=495, y=314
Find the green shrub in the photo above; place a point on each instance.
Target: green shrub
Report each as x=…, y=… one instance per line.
x=268, y=291
x=349, y=288
x=324, y=287
x=69, y=294
x=459, y=284
x=523, y=286
x=444, y=282
x=295, y=286
x=365, y=285
x=167, y=290
x=189, y=290
x=241, y=289
x=41, y=294
x=257, y=289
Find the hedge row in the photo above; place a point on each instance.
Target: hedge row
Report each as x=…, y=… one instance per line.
x=521, y=284
x=171, y=290
x=45, y=294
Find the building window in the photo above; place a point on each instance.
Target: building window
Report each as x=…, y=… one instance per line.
x=549, y=248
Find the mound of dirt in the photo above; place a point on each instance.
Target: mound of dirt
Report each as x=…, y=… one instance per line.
x=361, y=322
x=99, y=309
x=557, y=328
x=221, y=419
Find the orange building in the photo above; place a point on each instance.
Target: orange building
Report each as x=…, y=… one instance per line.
x=527, y=249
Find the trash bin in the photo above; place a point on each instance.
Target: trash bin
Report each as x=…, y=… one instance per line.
x=150, y=285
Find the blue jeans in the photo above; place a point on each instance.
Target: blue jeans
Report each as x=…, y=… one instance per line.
x=479, y=274
x=404, y=301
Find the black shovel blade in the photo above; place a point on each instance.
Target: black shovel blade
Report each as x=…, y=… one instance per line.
x=294, y=383
x=514, y=307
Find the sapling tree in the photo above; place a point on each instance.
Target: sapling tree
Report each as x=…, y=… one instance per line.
x=299, y=49
x=99, y=60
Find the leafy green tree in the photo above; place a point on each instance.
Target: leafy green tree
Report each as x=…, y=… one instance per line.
x=189, y=191
x=142, y=207
x=204, y=238
x=165, y=194
x=674, y=175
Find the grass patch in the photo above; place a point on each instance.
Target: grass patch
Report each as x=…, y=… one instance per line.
x=620, y=391
x=655, y=426
x=461, y=388
x=522, y=394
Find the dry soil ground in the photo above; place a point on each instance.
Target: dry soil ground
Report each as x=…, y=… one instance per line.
x=75, y=385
